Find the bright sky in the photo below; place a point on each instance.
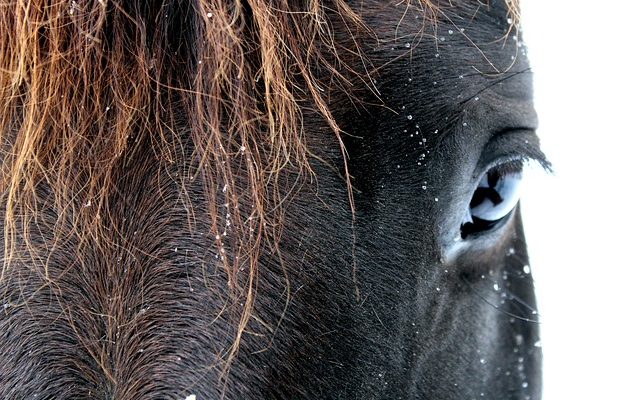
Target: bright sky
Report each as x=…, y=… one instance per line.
x=582, y=224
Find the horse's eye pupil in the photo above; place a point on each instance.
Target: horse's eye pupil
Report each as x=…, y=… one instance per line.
x=494, y=198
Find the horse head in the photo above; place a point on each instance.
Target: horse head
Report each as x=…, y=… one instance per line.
x=253, y=200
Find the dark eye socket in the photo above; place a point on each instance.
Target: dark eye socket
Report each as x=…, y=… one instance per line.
x=494, y=198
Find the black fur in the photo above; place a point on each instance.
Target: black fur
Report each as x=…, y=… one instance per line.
x=391, y=305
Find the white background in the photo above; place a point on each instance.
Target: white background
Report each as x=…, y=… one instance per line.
x=582, y=223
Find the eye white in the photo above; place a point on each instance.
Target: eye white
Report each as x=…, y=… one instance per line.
x=493, y=199
x=496, y=195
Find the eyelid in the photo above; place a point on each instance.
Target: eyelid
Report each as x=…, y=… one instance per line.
x=509, y=145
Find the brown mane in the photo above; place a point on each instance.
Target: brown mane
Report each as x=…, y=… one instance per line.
x=83, y=84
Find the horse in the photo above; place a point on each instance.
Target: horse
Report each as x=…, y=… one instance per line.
x=250, y=199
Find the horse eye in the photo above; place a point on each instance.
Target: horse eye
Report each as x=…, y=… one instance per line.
x=494, y=198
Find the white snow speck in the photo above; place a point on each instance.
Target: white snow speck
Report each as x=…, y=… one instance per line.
x=519, y=339
x=190, y=397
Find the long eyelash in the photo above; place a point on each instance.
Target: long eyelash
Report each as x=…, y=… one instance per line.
x=519, y=143
x=507, y=168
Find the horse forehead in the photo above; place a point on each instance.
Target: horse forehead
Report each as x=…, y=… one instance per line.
x=398, y=20
x=460, y=39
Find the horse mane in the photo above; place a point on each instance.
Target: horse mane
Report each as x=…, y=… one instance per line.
x=84, y=84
